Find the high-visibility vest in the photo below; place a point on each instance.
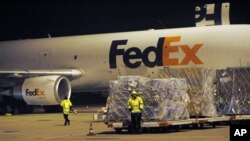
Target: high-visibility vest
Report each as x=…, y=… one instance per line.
x=66, y=104
x=136, y=105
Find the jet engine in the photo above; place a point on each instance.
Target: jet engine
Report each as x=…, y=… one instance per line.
x=43, y=90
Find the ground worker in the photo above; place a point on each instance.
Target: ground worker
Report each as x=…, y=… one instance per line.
x=135, y=106
x=66, y=105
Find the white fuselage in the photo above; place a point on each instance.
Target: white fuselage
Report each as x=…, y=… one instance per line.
x=103, y=57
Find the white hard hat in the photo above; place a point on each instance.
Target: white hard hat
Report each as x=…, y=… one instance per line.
x=133, y=92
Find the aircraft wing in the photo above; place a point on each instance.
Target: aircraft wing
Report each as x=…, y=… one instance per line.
x=9, y=78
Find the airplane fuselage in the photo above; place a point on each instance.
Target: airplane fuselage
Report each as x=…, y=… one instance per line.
x=103, y=57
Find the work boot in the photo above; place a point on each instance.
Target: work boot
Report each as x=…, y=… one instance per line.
x=68, y=122
x=65, y=123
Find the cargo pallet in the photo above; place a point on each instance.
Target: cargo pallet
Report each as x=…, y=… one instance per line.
x=176, y=124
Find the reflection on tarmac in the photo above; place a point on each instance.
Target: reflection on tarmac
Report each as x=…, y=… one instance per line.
x=42, y=126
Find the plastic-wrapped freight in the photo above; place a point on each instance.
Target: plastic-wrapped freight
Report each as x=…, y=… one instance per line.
x=172, y=110
x=150, y=113
x=118, y=113
x=141, y=84
x=200, y=89
x=164, y=99
x=163, y=91
x=116, y=102
x=119, y=94
x=233, y=89
x=131, y=82
x=174, y=99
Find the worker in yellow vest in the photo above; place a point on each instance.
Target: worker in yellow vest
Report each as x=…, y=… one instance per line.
x=66, y=105
x=135, y=106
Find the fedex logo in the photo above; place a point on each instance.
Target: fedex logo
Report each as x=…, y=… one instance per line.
x=162, y=52
x=212, y=14
x=36, y=92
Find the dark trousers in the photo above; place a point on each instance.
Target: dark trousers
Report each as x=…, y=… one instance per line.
x=66, y=119
x=136, y=122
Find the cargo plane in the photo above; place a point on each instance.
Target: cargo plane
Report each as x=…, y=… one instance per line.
x=43, y=71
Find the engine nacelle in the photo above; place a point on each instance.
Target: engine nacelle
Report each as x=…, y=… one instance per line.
x=43, y=90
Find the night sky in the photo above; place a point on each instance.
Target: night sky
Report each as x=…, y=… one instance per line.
x=37, y=18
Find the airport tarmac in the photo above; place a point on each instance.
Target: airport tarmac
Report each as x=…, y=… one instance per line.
x=46, y=127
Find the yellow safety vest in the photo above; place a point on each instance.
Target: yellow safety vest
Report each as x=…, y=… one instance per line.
x=66, y=104
x=136, y=105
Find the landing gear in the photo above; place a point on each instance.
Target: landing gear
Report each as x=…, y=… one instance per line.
x=25, y=109
x=13, y=106
x=52, y=109
x=3, y=109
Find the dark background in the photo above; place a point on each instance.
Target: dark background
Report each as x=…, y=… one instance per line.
x=22, y=19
